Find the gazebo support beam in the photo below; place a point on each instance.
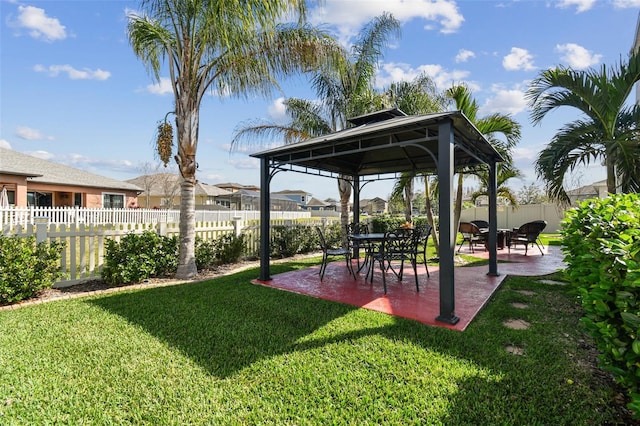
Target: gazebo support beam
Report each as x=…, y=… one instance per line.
x=493, y=219
x=265, y=219
x=447, y=233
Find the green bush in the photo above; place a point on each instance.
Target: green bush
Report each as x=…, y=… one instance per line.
x=601, y=241
x=227, y=249
x=287, y=241
x=26, y=267
x=140, y=256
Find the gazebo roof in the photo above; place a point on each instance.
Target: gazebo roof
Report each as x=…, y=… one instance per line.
x=398, y=143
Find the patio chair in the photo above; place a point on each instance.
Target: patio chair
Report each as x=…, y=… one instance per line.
x=328, y=251
x=422, y=233
x=471, y=234
x=482, y=224
x=355, y=247
x=398, y=246
x=527, y=234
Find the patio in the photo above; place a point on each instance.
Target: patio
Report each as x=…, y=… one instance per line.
x=474, y=287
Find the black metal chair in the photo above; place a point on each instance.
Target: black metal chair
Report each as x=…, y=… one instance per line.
x=528, y=234
x=355, y=247
x=398, y=246
x=422, y=233
x=471, y=234
x=328, y=251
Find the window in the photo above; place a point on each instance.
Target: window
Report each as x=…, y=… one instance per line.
x=11, y=195
x=39, y=199
x=77, y=199
x=112, y=201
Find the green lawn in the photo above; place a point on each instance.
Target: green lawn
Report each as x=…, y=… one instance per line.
x=225, y=351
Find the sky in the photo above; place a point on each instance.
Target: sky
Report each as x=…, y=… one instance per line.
x=73, y=92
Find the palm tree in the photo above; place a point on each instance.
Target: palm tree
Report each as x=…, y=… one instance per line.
x=504, y=172
x=490, y=126
x=419, y=96
x=343, y=91
x=608, y=132
x=232, y=48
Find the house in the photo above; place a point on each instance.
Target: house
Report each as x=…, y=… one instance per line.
x=594, y=190
x=318, y=205
x=163, y=190
x=245, y=199
x=375, y=205
x=31, y=181
x=299, y=196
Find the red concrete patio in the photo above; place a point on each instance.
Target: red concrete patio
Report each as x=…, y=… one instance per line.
x=473, y=287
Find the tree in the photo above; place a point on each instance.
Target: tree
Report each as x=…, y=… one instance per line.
x=607, y=131
x=419, y=96
x=344, y=90
x=230, y=47
x=531, y=194
x=504, y=172
x=490, y=126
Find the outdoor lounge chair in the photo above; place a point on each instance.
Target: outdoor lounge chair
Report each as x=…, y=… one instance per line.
x=529, y=233
x=471, y=234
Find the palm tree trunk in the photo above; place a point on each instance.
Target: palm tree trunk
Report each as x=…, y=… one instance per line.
x=611, y=174
x=408, y=198
x=458, y=207
x=187, y=122
x=344, y=189
x=434, y=231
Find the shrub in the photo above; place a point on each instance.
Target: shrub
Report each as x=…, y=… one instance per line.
x=288, y=241
x=229, y=248
x=26, y=267
x=601, y=240
x=226, y=249
x=140, y=256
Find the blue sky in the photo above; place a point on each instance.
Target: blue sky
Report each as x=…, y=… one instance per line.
x=72, y=91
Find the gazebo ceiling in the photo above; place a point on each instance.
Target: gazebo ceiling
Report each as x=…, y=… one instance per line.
x=398, y=143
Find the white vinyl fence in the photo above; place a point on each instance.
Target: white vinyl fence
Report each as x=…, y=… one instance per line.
x=12, y=216
x=83, y=256
x=509, y=217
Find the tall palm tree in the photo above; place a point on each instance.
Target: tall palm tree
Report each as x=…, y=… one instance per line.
x=608, y=132
x=504, y=172
x=490, y=126
x=230, y=47
x=418, y=96
x=344, y=90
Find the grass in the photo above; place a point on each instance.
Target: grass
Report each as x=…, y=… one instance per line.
x=225, y=351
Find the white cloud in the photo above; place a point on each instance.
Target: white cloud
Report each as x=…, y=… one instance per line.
x=72, y=73
x=395, y=72
x=581, y=5
x=245, y=163
x=464, y=55
x=623, y=4
x=5, y=144
x=164, y=87
x=277, y=111
x=39, y=25
x=577, y=56
x=350, y=16
x=518, y=59
x=24, y=132
x=505, y=101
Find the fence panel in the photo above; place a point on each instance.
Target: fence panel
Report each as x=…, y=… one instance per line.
x=509, y=217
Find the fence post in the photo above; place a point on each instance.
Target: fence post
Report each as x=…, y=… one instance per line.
x=41, y=228
x=236, y=225
x=162, y=226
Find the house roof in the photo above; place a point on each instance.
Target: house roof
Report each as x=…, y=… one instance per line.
x=157, y=185
x=314, y=202
x=43, y=171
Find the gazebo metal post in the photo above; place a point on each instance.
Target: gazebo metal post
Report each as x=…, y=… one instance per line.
x=447, y=233
x=355, y=183
x=493, y=219
x=265, y=219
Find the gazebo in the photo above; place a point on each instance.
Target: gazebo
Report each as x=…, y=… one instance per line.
x=383, y=144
